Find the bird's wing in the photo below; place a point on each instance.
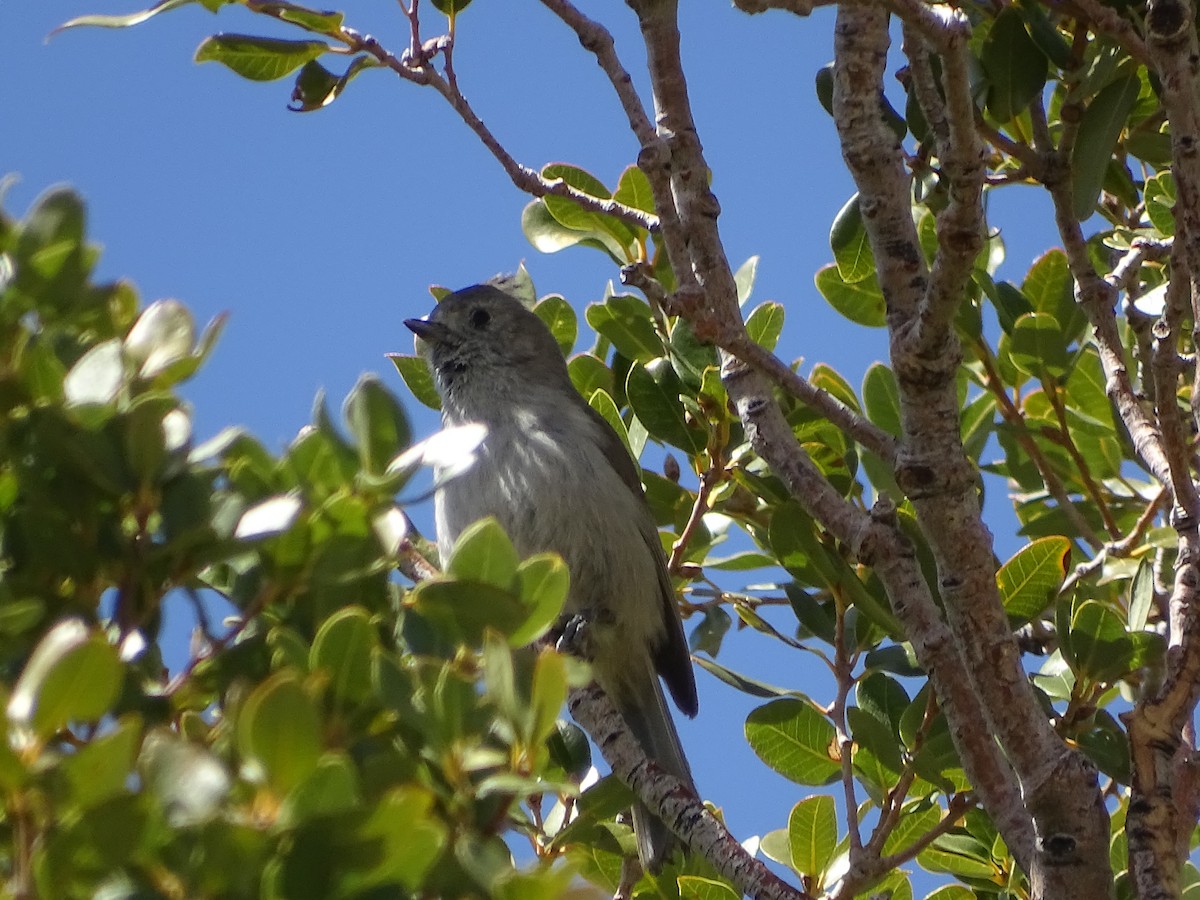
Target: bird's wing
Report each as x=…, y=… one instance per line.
x=672, y=659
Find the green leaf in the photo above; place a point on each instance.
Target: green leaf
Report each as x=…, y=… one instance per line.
x=881, y=396
x=462, y=611
x=73, y=675
x=812, y=834
x=417, y=377
x=814, y=616
x=602, y=403
x=499, y=674
x=823, y=83
x=710, y=631
x=331, y=788
x=830, y=380
x=100, y=769
x=589, y=375
x=1101, y=126
x=1049, y=287
x=560, y=318
x=795, y=740
x=1037, y=347
x=543, y=581
x=851, y=248
x=616, y=236
x=654, y=394
x=316, y=87
x=799, y=548
x=97, y=377
x=122, y=21
x=916, y=819
x=278, y=729
x=484, y=553
x=328, y=23
x=1141, y=596
x=450, y=7
x=1030, y=580
x=1009, y=301
x=861, y=302
x=343, y=647
x=627, y=322
x=1045, y=35
x=952, y=892
x=1107, y=746
x=19, y=616
x=1100, y=648
x=1015, y=65
x=965, y=858
x=744, y=277
x=881, y=696
x=569, y=748
x=400, y=840
x=633, y=189
x=162, y=335
x=548, y=235
x=1160, y=202
x=258, y=58
x=547, y=695
x=691, y=357
x=377, y=422
x=765, y=324
x=695, y=887
x=741, y=682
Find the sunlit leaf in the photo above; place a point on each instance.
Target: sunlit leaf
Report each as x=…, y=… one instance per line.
x=1029, y=581
x=812, y=834
x=860, y=302
x=1101, y=126
x=795, y=740
x=258, y=58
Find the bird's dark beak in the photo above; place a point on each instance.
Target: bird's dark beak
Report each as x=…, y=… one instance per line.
x=431, y=332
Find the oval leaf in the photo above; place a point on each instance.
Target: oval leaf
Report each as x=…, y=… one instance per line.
x=1015, y=65
x=861, y=302
x=812, y=834
x=279, y=730
x=343, y=648
x=795, y=740
x=1029, y=581
x=484, y=553
x=1101, y=126
x=258, y=58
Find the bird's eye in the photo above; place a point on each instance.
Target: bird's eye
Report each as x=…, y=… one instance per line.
x=480, y=318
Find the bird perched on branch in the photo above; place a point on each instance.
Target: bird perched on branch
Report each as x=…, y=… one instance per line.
x=558, y=478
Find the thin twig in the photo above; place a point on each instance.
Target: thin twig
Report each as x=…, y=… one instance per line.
x=843, y=670
x=420, y=71
x=1118, y=549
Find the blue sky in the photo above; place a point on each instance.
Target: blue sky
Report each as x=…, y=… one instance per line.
x=321, y=232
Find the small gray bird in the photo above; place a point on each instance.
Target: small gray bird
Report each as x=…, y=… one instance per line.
x=558, y=478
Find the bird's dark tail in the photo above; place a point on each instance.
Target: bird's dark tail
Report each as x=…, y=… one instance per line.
x=650, y=721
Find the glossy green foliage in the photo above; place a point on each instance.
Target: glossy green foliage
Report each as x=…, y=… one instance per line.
x=340, y=734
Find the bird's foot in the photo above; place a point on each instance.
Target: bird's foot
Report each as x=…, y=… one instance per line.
x=573, y=635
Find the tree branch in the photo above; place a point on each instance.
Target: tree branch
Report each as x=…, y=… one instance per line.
x=1107, y=20
x=1059, y=786
x=1162, y=802
x=799, y=7
x=597, y=40
x=671, y=799
x=960, y=227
